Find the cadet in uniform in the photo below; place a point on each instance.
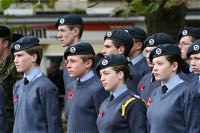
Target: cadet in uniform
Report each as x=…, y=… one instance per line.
x=138, y=63
x=171, y=107
x=193, y=55
x=117, y=42
x=122, y=112
x=147, y=84
x=185, y=37
x=70, y=30
x=88, y=95
x=8, y=73
x=3, y=117
x=35, y=97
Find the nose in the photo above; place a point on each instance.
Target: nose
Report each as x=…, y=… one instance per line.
x=154, y=68
x=192, y=62
x=102, y=78
x=59, y=35
x=103, y=51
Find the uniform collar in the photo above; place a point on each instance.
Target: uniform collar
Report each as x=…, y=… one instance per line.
x=173, y=82
x=136, y=59
x=35, y=73
x=87, y=76
x=119, y=91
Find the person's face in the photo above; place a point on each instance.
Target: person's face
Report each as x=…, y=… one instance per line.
x=65, y=36
x=184, y=45
x=110, y=79
x=76, y=67
x=24, y=62
x=163, y=70
x=3, y=45
x=148, y=51
x=109, y=48
x=195, y=63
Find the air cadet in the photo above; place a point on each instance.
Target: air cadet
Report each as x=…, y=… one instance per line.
x=185, y=37
x=138, y=63
x=70, y=30
x=194, y=55
x=122, y=112
x=171, y=107
x=8, y=73
x=88, y=95
x=3, y=117
x=117, y=42
x=147, y=84
x=35, y=97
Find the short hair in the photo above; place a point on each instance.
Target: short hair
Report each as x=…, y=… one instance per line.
x=88, y=57
x=36, y=50
x=80, y=27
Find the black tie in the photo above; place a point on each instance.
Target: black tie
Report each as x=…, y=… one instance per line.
x=25, y=81
x=111, y=97
x=164, y=89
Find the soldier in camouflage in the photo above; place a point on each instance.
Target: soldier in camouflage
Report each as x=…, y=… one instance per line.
x=8, y=73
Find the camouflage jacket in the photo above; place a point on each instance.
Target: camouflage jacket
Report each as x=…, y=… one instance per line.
x=8, y=76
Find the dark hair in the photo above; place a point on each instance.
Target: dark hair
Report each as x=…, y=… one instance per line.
x=88, y=57
x=141, y=41
x=9, y=39
x=80, y=27
x=38, y=51
x=182, y=65
x=125, y=69
x=119, y=44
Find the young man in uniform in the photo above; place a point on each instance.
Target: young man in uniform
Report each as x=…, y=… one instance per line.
x=185, y=37
x=147, y=84
x=117, y=42
x=3, y=117
x=35, y=97
x=89, y=93
x=8, y=73
x=138, y=63
x=70, y=30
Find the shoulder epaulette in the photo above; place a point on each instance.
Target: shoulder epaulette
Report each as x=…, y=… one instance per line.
x=127, y=102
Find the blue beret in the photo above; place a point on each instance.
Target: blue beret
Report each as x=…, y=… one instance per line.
x=71, y=19
x=111, y=60
x=189, y=31
x=165, y=49
x=16, y=36
x=120, y=36
x=79, y=49
x=24, y=43
x=137, y=33
x=157, y=39
x=194, y=48
x=4, y=31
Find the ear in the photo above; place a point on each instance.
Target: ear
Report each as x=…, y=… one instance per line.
x=34, y=57
x=76, y=31
x=89, y=63
x=138, y=45
x=121, y=50
x=174, y=66
x=121, y=75
x=5, y=43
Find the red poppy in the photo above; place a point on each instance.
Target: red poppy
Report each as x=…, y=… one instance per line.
x=100, y=114
x=15, y=98
x=149, y=102
x=141, y=86
x=70, y=95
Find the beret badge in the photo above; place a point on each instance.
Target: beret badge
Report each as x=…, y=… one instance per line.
x=17, y=46
x=151, y=41
x=196, y=47
x=184, y=32
x=72, y=49
x=104, y=62
x=109, y=34
x=158, y=51
x=62, y=21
